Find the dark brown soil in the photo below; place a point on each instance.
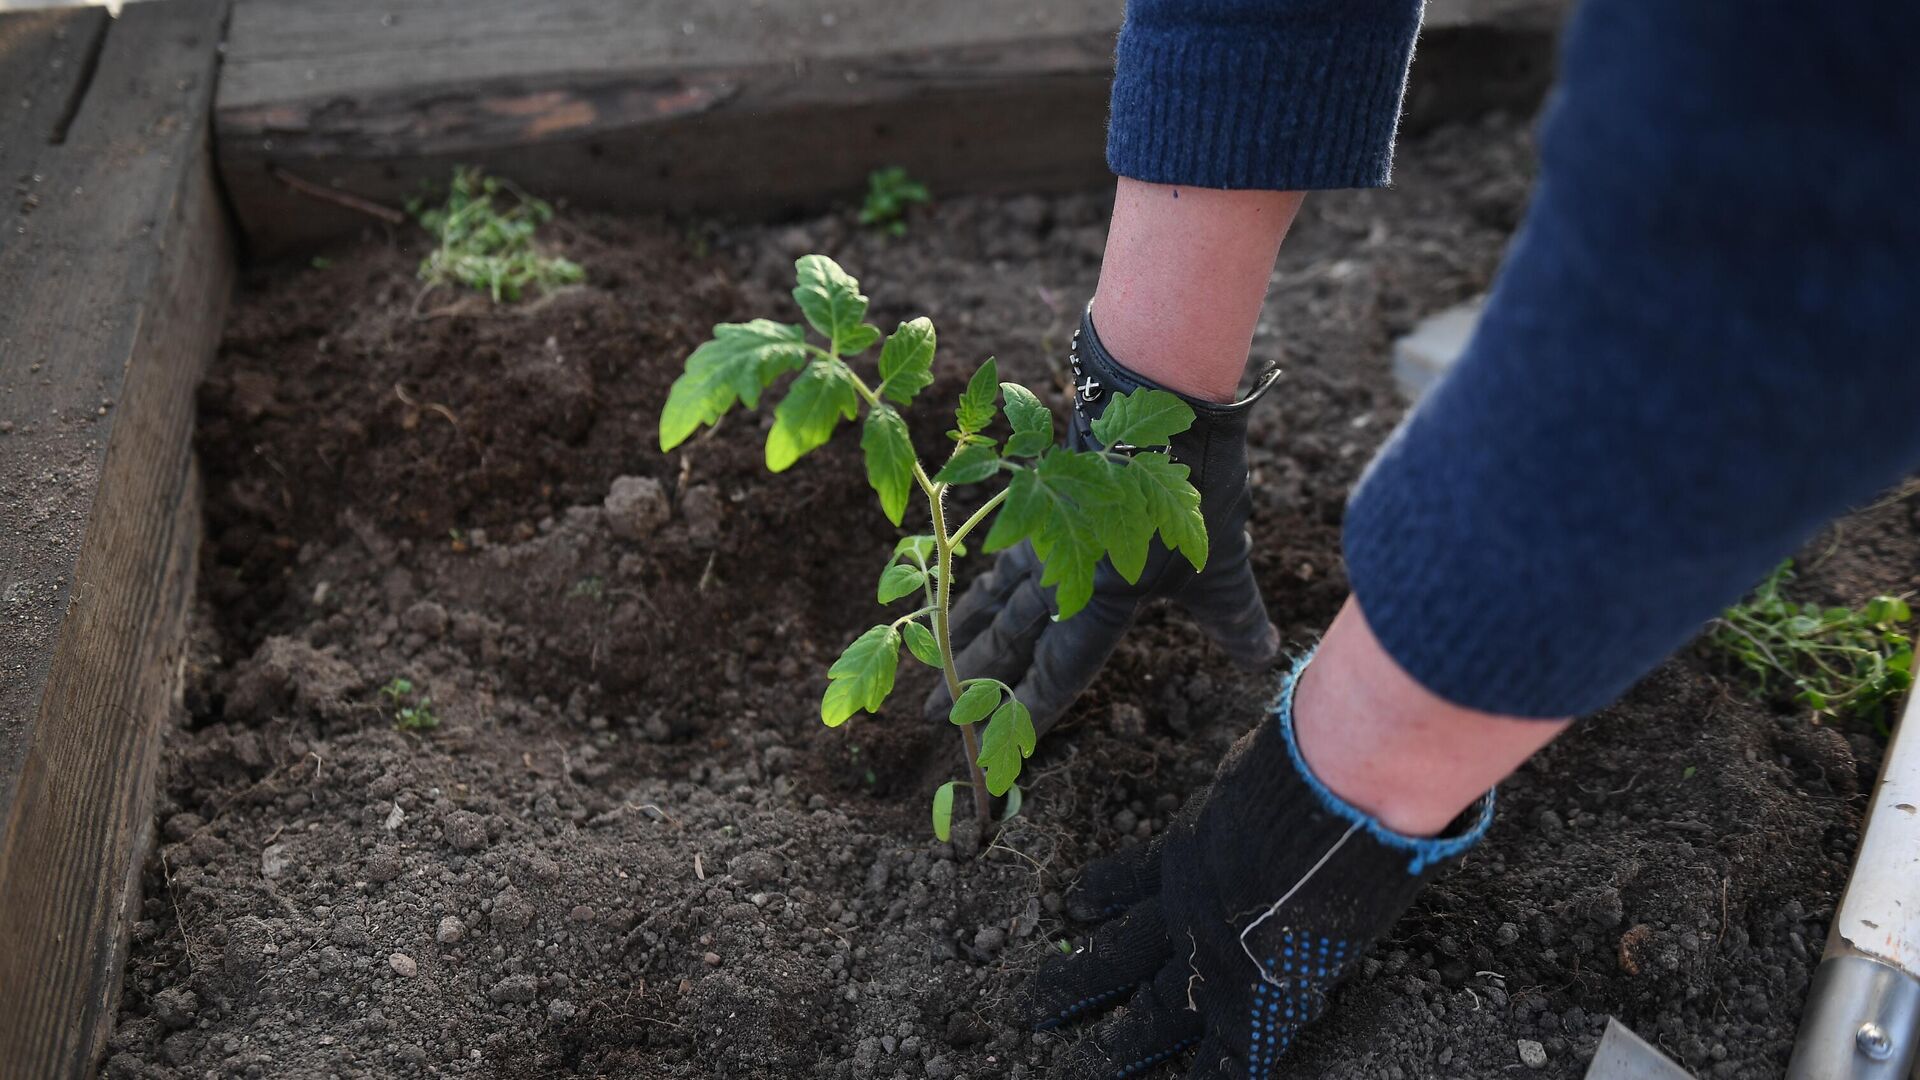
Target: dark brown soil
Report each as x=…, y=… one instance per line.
x=631, y=850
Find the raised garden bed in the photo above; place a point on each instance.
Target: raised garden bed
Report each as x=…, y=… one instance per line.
x=630, y=849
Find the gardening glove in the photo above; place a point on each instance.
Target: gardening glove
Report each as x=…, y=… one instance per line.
x=1230, y=934
x=1003, y=627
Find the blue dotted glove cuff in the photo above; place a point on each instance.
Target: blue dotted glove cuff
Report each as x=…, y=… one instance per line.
x=1422, y=851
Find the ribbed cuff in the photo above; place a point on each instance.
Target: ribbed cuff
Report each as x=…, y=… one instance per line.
x=1290, y=104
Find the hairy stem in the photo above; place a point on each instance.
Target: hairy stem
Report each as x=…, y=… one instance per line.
x=944, y=543
x=943, y=604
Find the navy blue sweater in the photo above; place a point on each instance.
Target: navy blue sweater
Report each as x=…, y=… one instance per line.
x=1703, y=345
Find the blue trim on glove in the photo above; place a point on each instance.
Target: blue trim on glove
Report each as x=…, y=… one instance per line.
x=1425, y=850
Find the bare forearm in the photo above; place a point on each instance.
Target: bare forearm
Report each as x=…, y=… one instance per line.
x=1185, y=274
x=1391, y=747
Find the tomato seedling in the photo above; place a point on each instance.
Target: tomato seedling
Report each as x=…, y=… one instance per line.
x=1075, y=507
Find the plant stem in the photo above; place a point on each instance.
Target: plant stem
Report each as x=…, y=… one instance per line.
x=979, y=515
x=943, y=543
x=943, y=604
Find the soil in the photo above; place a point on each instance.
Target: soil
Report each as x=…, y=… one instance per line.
x=630, y=849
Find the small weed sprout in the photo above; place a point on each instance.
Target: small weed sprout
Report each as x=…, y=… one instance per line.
x=889, y=192
x=409, y=714
x=1839, y=661
x=1075, y=507
x=484, y=237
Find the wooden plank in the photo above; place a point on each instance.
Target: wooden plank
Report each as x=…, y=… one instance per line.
x=46, y=60
x=686, y=105
x=43, y=73
x=112, y=292
x=293, y=51
x=662, y=105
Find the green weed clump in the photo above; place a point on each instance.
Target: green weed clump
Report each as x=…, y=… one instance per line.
x=409, y=713
x=889, y=192
x=485, y=239
x=1838, y=661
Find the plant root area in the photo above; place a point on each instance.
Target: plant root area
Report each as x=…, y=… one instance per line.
x=630, y=849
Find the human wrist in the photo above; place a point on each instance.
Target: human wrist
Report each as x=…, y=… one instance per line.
x=1393, y=749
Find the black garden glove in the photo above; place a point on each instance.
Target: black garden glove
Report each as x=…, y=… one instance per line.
x=1230, y=933
x=1003, y=626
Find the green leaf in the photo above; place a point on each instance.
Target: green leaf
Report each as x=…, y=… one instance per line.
x=906, y=361
x=857, y=340
x=1026, y=509
x=1171, y=503
x=977, y=402
x=1008, y=740
x=921, y=644
x=1886, y=610
x=1072, y=554
x=1126, y=537
x=1064, y=505
x=862, y=677
x=969, y=465
x=815, y=404
x=943, y=809
x=890, y=460
x=741, y=360
x=917, y=548
x=900, y=580
x=1032, y=422
x=1014, y=798
x=1142, y=418
x=975, y=702
x=831, y=300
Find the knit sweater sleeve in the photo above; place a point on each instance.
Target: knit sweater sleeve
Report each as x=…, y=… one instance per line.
x=1699, y=350
x=1279, y=95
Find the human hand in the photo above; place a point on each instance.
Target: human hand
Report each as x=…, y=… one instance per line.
x=1003, y=626
x=1229, y=932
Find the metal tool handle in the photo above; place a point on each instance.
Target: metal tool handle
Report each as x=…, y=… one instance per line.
x=1863, y=1010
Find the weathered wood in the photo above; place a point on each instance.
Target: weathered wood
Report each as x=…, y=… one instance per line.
x=663, y=105
x=42, y=71
x=115, y=269
x=46, y=60
x=753, y=107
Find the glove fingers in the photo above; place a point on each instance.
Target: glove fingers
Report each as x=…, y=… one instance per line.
x=1226, y=603
x=1069, y=654
x=1157, y=1024
x=977, y=607
x=1111, y=885
x=1213, y=1061
x=1121, y=955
